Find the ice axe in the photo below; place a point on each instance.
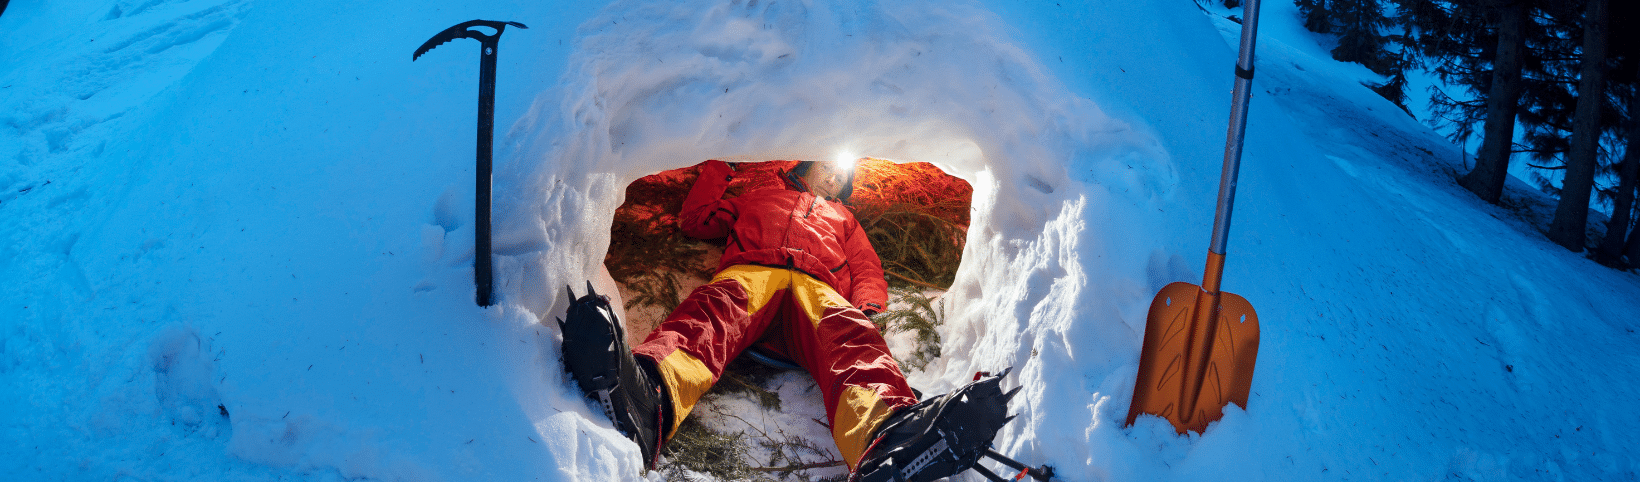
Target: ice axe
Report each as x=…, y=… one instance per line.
x=1200, y=343
x=486, y=129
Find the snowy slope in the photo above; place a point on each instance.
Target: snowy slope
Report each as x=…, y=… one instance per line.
x=266, y=207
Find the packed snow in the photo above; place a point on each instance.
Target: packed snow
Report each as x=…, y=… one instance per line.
x=237, y=236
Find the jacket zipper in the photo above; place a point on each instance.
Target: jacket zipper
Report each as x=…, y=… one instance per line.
x=786, y=236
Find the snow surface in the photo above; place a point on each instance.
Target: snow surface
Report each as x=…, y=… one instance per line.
x=237, y=235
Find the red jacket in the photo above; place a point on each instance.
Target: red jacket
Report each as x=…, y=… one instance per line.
x=787, y=228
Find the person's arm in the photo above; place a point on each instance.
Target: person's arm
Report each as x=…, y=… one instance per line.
x=706, y=215
x=869, y=291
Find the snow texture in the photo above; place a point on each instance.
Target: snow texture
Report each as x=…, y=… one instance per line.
x=236, y=236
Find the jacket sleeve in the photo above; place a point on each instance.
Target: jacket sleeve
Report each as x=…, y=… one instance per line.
x=706, y=215
x=869, y=291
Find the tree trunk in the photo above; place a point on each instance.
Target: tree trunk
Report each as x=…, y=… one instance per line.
x=1611, y=248
x=1571, y=224
x=1498, y=136
x=1633, y=251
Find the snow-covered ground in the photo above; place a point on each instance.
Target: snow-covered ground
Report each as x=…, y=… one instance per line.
x=235, y=236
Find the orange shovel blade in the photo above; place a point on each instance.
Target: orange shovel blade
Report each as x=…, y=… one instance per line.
x=1179, y=382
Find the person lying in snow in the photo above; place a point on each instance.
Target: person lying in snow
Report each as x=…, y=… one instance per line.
x=798, y=279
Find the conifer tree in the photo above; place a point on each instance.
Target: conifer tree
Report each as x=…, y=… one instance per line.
x=1467, y=44
x=1316, y=17
x=1497, y=141
x=1572, y=214
x=1449, y=39
x=1359, y=24
x=1612, y=246
x=1624, y=49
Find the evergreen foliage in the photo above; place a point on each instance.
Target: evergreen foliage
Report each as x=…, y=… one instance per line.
x=1316, y=17
x=1394, y=90
x=699, y=449
x=1361, y=27
x=647, y=253
x=921, y=314
x=726, y=456
x=1453, y=41
x=1623, y=81
x=1359, y=24
x=1550, y=99
x=1612, y=246
x=1459, y=42
x=917, y=219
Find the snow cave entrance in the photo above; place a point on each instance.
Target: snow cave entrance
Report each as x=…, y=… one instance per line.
x=916, y=216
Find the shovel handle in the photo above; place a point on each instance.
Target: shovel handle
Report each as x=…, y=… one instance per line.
x=1232, y=147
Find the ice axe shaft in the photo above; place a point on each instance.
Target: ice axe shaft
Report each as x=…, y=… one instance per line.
x=1200, y=343
x=482, y=265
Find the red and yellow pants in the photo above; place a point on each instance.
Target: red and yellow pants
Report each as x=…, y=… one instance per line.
x=792, y=314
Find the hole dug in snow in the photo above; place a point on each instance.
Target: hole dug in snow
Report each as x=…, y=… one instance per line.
x=183, y=382
x=759, y=421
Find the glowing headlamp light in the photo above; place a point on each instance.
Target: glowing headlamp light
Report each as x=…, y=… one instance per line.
x=844, y=162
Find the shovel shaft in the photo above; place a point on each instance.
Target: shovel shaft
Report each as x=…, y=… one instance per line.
x=1233, y=139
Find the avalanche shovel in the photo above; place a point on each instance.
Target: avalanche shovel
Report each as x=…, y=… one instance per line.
x=1200, y=342
x=486, y=128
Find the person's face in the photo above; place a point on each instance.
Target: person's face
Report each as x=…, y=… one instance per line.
x=825, y=179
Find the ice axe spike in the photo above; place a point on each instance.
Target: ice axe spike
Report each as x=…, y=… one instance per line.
x=482, y=266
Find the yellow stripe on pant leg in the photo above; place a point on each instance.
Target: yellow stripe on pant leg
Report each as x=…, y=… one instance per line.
x=814, y=296
x=859, y=411
x=760, y=283
x=686, y=379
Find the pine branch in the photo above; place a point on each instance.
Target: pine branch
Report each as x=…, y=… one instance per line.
x=794, y=468
x=915, y=281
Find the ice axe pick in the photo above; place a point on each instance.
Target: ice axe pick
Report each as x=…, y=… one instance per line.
x=486, y=128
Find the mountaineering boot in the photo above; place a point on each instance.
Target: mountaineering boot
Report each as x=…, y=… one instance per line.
x=938, y=437
x=627, y=388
